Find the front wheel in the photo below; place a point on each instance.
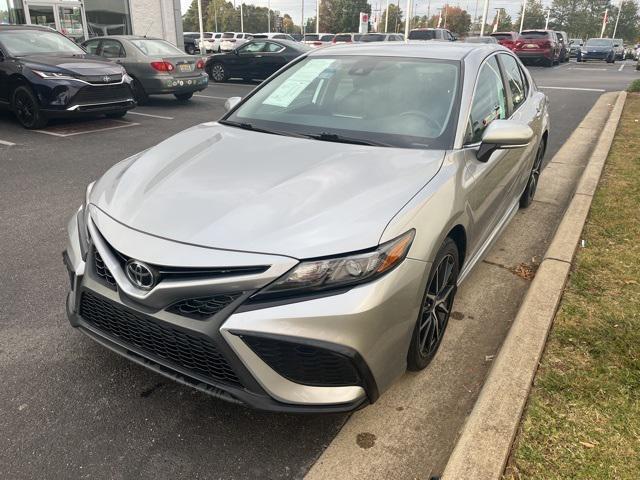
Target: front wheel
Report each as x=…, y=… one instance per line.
x=532, y=184
x=27, y=109
x=183, y=97
x=436, y=307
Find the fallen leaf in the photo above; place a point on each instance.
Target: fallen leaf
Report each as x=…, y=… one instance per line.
x=587, y=444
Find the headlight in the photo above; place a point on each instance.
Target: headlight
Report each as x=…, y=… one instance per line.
x=83, y=218
x=53, y=75
x=312, y=276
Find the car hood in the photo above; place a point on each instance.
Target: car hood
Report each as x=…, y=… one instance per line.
x=85, y=65
x=223, y=187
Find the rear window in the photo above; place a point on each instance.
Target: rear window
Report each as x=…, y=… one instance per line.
x=326, y=38
x=343, y=38
x=534, y=34
x=422, y=35
x=311, y=38
x=502, y=36
x=228, y=35
x=374, y=37
x=156, y=47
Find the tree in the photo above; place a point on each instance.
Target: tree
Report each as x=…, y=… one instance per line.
x=628, y=23
x=457, y=20
x=190, y=21
x=534, y=17
x=342, y=15
x=395, y=19
x=288, y=26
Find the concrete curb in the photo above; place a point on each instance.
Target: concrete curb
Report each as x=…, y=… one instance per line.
x=485, y=441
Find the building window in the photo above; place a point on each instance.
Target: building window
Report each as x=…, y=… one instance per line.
x=11, y=12
x=107, y=17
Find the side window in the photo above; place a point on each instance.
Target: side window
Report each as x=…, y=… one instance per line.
x=92, y=46
x=489, y=101
x=273, y=47
x=252, y=47
x=112, y=49
x=514, y=79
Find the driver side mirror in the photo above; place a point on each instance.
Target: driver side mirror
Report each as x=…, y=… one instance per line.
x=503, y=135
x=231, y=102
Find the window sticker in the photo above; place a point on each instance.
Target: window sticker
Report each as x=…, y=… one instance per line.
x=286, y=93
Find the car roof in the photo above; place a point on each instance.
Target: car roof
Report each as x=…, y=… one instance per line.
x=28, y=27
x=433, y=50
x=124, y=37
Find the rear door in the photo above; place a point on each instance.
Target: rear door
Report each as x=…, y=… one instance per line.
x=269, y=60
x=242, y=62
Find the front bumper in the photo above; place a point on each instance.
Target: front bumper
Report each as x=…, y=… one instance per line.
x=594, y=55
x=330, y=353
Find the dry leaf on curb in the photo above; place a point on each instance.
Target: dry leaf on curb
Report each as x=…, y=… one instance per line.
x=587, y=444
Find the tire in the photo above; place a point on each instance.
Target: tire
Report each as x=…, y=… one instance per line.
x=436, y=307
x=183, y=97
x=548, y=62
x=190, y=49
x=218, y=73
x=526, y=198
x=139, y=92
x=118, y=114
x=26, y=108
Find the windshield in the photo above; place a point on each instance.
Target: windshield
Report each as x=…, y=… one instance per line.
x=156, y=47
x=422, y=35
x=599, y=42
x=350, y=96
x=34, y=42
x=373, y=37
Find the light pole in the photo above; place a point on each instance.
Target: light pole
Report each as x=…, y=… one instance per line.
x=615, y=29
x=386, y=19
x=406, y=22
x=302, y=21
x=318, y=17
x=269, y=16
x=485, y=11
x=241, y=19
x=604, y=22
x=495, y=26
x=546, y=25
x=524, y=9
x=201, y=42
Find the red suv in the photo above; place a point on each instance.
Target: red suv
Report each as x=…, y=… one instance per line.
x=538, y=45
x=506, y=39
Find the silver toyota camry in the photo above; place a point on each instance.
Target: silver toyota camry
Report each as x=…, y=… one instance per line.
x=304, y=251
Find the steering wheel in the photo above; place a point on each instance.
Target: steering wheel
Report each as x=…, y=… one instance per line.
x=430, y=120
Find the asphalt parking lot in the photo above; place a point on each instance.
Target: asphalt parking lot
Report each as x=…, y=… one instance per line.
x=70, y=408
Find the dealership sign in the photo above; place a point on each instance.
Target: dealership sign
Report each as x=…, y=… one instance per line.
x=364, y=22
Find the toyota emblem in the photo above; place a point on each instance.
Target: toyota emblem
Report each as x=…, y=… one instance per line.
x=140, y=274
x=106, y=79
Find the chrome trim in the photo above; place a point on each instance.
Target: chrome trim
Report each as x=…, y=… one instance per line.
x=285, y=390
x=76, y=107
x=89, y=83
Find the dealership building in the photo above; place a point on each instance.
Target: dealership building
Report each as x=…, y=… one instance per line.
x=82, y=19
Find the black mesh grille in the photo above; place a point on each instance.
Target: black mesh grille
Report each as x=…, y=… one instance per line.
x=202, y=307
x=193, y=353
x=305, y=364
x=103, y=94
x=103, y=272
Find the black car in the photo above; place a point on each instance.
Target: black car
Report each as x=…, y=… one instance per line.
x=256, y=59
x=598, y=49
x=45, y=75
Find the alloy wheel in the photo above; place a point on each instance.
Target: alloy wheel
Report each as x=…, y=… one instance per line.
x=437, y=306
x=535, y=173
x=217, y=72
x=25, y=110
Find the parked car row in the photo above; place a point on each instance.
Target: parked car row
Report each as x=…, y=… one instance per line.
x=44, y=74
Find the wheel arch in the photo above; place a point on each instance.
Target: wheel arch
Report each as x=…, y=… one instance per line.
x=459, y=235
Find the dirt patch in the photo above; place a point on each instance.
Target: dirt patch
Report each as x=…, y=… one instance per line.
x=366, y=440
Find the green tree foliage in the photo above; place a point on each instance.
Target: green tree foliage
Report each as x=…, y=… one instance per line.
x=534, y=17
x=628, y=23
x=342, y=15
x=457, y=20
x=583, y=18
x=395, y=19
x=190, y=19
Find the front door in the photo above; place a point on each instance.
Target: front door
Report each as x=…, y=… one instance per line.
x=67, y=18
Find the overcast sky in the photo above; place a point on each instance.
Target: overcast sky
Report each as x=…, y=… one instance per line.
x=422, y=7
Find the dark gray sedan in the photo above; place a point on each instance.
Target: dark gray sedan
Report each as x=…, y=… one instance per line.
x=156, y=66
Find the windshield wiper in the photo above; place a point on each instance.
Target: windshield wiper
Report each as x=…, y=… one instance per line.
x=253, y=128
x=334, y=137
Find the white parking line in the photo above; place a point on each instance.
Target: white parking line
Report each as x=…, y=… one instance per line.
x=577, y=89
x=621, y=67
x=591, y=69
x=7, y=144
x=210, y=96
x=150, y=115
x=55, y=134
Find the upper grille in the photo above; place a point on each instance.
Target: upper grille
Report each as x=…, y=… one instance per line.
x=100, y=79
x=305, y=364
x=193, y=353
x=102, y=271
x=103, y=94
x=202, y=307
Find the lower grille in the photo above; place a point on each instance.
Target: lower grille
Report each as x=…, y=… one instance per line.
x=203, y=307
x=193, y=353
x=305, y=364
x=103, y=94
